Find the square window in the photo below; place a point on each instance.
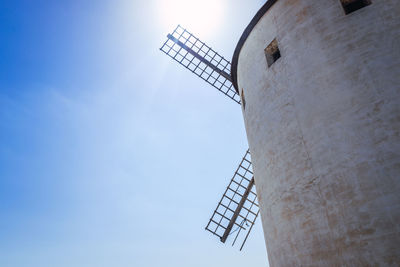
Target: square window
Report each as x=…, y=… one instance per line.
x=198, y=44
x=198, y=71
x=192, y=39
x=221, y=209
x=195, y=49
x=217, y=217
x=183, y=53
x=229, y=193
x=202, y=66
x=212, y=227
x=182, y=39
x=173, y=53
x=178, y=57
x=254, y=209
x=237, y=198
x=240, y=191
x=350, y=6
x=202, y=53
x=189, y=57
x=192, y=67
x=212, y=53
x=215, y=75
x=176, y=48
x=226, y=201
x=233, y=205
x=224, y=63
x=208, y=70
x=221, y=79
x=224, y=222
x=165, y=49
x=246, y=164
x=196, y=61
x=185, y=62
x=229, y=214
x=186, y=35
x=241, y=170
x=220, y=231
x=272, y=53
x=243, y=212
x=214, y=62
x=179, y=30
x=251, y=217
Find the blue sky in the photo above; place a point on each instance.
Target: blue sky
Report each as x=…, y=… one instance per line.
x=110, y=153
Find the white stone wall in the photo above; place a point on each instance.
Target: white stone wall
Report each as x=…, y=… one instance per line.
x=323, y=125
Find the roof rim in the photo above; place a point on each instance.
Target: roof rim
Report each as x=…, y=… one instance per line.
x=244, y=37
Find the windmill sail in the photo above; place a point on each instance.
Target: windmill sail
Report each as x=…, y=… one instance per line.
x=238, y=208
x=200, y=59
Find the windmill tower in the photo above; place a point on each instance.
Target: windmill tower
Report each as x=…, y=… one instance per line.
x=319, y=84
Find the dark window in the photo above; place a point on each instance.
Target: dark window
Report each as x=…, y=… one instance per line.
x=353, y=5
x=243, y=100
x=272, y=52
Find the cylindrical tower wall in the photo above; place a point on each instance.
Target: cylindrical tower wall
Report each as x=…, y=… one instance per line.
x=323, y=125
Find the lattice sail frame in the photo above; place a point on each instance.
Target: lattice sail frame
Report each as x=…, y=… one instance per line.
x=238, y=208
x=239, y=202
x=200, y=59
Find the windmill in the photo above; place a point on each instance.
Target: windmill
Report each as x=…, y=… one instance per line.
x=238, y=208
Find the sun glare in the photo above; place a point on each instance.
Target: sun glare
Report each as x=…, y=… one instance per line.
x=202, y=18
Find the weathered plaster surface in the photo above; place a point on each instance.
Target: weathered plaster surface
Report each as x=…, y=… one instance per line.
x=323, y=124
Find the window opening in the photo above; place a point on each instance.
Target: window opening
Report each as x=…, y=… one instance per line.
x=350, y=6
x=243, y=100
x=272, y=53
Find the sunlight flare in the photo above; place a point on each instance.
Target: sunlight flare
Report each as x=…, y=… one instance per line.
x=201, y=17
